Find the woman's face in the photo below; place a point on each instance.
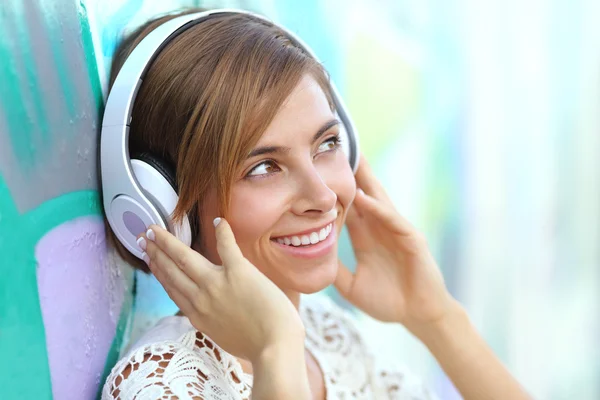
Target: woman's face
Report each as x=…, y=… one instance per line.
x=289, y=204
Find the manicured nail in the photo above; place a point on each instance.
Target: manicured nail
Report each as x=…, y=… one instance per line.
x=142, y=243
x=216, y=221
x=150, y=235
x=146, y=258
x=359, y=190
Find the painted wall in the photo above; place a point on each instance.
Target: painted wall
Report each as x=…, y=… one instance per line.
x=481, y=119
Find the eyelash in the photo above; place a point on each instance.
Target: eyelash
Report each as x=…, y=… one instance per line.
x=336, y=140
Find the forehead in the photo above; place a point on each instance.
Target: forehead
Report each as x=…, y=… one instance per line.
x=304, y=111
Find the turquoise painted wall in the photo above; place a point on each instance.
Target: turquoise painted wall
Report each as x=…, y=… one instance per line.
x=481, y=119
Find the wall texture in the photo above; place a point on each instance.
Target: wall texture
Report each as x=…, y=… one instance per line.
x=481, y=118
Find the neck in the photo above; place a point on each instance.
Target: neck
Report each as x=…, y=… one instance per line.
x=294, y=298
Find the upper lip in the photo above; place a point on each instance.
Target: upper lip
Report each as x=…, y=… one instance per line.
x=306, y=231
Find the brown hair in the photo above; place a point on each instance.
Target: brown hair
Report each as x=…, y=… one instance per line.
x=206, y=100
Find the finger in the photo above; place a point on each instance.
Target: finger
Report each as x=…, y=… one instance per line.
x=344, y=281
x=356, y=229
x=183, y=302
x=181, y=297
x=168, y=273
x=367, y=181
x=227, y=247
x=353, y=217
x=188, y=260
x=383, y=213
x=180, y=300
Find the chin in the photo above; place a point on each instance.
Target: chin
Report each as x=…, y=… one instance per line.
x=316, y=280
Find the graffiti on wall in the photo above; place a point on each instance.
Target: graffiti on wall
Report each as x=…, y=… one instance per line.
x=65, y=300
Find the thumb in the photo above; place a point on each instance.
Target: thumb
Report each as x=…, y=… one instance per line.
x=360, y=236
x=369, y=206
x=344, y=281
x=227, y=247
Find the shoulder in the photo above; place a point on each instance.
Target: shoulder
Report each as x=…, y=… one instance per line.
x=335, y=333
x=159, y=366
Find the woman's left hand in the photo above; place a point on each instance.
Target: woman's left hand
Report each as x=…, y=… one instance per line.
x=396, y=278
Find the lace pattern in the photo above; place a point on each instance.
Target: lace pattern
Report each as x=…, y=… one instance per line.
x=192, y=366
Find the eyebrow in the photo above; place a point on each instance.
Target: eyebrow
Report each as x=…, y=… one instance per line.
x=282, y=149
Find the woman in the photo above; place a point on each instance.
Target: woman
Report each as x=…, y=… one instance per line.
x=247, y=119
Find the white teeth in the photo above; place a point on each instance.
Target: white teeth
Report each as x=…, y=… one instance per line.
x=314, y=238
x=304, y=240
x=323, y=234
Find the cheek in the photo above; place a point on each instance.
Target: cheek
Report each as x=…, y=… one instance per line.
x=251, y=216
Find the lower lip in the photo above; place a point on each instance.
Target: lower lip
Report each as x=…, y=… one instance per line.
x=312, y=251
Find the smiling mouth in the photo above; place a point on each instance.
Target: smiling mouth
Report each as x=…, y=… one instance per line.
x=306, y=239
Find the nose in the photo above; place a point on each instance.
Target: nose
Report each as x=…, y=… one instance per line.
x=313, y=195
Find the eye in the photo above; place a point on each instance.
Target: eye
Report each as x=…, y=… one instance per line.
x=332, y=143
x=264, y=168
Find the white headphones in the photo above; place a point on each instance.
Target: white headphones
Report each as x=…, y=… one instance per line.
x=143, y=191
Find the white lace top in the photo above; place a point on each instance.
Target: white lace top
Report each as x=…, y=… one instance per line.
x=175, y=361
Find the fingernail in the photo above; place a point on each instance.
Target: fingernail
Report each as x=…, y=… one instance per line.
x=216, y=221
x=150, y=235
x=360, y=191
x=142, y=243
x=146, y=258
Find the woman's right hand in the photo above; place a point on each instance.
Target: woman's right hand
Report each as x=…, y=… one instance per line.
x=234, y=304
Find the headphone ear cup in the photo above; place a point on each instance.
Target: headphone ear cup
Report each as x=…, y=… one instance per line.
x=157, y=180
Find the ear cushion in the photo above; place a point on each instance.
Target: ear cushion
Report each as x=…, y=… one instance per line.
x=158, y=184
x=161, y=166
